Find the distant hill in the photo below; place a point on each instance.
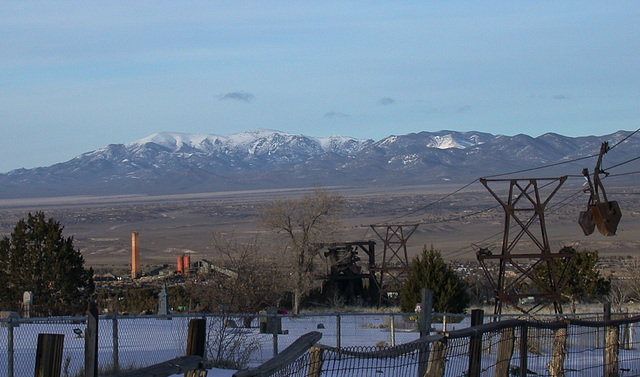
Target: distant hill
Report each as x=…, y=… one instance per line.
x=172, y=163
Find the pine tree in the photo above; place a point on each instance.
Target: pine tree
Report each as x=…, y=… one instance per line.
x=578, y=277
x=38, y=258
x=430, y=271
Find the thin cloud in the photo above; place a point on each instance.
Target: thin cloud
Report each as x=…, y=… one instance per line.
x=237, y=96
x=561, y=96
x=336, y=114
x=386, y=101
x=463, y=109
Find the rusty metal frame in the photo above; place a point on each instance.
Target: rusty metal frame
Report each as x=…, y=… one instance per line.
x=524, y=198
x=368, y=247
x=395, y=260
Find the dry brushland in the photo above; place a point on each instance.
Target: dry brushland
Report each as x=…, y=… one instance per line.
x=171, y=226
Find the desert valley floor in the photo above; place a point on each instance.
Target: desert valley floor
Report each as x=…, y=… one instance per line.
x=453, y=222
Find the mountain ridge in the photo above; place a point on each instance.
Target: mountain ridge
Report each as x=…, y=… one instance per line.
x=173, y=162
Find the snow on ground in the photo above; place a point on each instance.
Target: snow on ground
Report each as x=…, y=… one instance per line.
x=146, y=341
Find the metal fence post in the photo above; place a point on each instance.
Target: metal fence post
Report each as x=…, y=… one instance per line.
x=475, y=344
x=116, y=355
x=10, y=348
x=275, y=334
x=338, y=331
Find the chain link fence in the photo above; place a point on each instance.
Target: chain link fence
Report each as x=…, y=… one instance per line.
x=234, y=340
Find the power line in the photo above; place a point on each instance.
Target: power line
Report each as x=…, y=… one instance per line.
x=430, y=204
x=422, y=208
x=623, y=163
x=459, y=217
x=543, y=167
x=625, y=139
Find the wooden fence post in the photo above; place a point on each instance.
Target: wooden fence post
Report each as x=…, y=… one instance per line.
x=426, y=312
x=524, y=349
x=392, y=329
x=49, y=355
x=505, y=352
x=91, y=342
x=612, y=346
x=425, y=328
x=556, y=365
x=475, y=344
x=437, y=361
x=315, y=362
x=196, y=343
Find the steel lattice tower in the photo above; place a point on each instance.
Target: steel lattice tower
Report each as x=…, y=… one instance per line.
x=524, y=274
x=395, y=261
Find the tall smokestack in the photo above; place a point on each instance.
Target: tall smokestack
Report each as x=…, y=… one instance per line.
x=136, y=269
x=187, y=264
x=180, y=266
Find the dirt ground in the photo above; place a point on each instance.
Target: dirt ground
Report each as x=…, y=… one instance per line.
x=456, y=223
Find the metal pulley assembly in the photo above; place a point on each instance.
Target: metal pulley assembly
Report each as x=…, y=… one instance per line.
x=603, y=214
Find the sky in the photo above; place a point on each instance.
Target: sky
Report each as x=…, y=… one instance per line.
x=77, y=76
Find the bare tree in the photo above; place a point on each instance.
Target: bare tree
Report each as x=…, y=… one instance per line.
x=304, y=224
x=243, y=278
x=620, y=293
x=631, y=268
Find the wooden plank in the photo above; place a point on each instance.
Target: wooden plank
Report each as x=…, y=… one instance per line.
x=49, y=355
x=197, y=337
x=284, y=358
x=196, y=343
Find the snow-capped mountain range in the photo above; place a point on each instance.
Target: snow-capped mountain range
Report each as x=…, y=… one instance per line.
x=171, y=163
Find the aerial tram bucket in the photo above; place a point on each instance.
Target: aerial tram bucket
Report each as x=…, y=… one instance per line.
x=607, y=216
x=586, y=221
x=604, y=215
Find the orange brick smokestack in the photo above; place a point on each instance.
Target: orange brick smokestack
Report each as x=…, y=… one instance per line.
x=180, y=262
x=136, y=269
x=187, y=264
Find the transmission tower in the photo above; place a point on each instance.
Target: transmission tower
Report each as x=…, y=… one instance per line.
x=526, y=280
x=395, y=261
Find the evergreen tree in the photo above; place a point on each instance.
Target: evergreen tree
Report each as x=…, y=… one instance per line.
x=430, y=271
x=38, y=258
x=578, y=277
